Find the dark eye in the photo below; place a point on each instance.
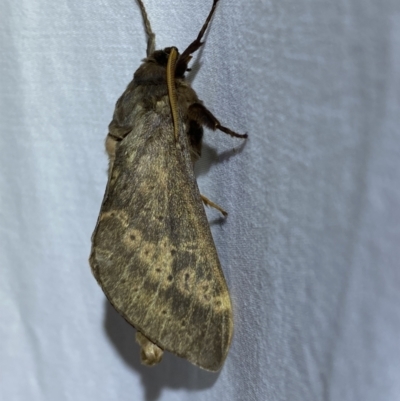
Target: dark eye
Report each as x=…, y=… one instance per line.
x=161, y=56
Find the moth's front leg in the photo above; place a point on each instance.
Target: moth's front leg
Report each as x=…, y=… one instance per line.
x=195, y=135
x=203, y=116
x=116, y=133
x=199, y=116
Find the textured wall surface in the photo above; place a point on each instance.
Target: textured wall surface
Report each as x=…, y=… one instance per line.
x=310, y=249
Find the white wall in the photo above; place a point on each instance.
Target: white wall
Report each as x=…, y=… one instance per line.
x=311, y=245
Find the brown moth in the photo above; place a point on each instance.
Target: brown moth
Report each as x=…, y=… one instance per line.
x=152, y=249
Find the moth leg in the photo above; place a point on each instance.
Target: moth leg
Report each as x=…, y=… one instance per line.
x=116, y=134
x=207, y=202
x=195, y=135
x=203, y=116
x=111, y=144
x=150, y=353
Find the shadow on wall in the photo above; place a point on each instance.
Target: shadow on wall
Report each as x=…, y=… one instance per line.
x=173, y=372
x=210, y=155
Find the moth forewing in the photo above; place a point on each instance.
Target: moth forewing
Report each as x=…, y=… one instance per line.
x=152, y=249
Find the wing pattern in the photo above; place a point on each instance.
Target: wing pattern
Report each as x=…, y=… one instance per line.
x=153, y=253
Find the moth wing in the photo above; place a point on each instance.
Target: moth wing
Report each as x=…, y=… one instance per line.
x=153, y=253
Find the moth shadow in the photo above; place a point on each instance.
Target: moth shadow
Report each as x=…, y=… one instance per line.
x=226, y=155
x=172, y=372
x=210, y=156
x=218, y=221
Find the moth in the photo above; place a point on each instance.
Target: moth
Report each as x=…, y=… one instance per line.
x=152, y=250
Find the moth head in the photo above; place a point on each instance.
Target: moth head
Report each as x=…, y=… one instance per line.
x=161, y=56
x=153, y=69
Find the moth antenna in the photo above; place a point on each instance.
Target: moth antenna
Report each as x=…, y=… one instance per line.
x=171, y=89
x=151, y=37
x=195, y=45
